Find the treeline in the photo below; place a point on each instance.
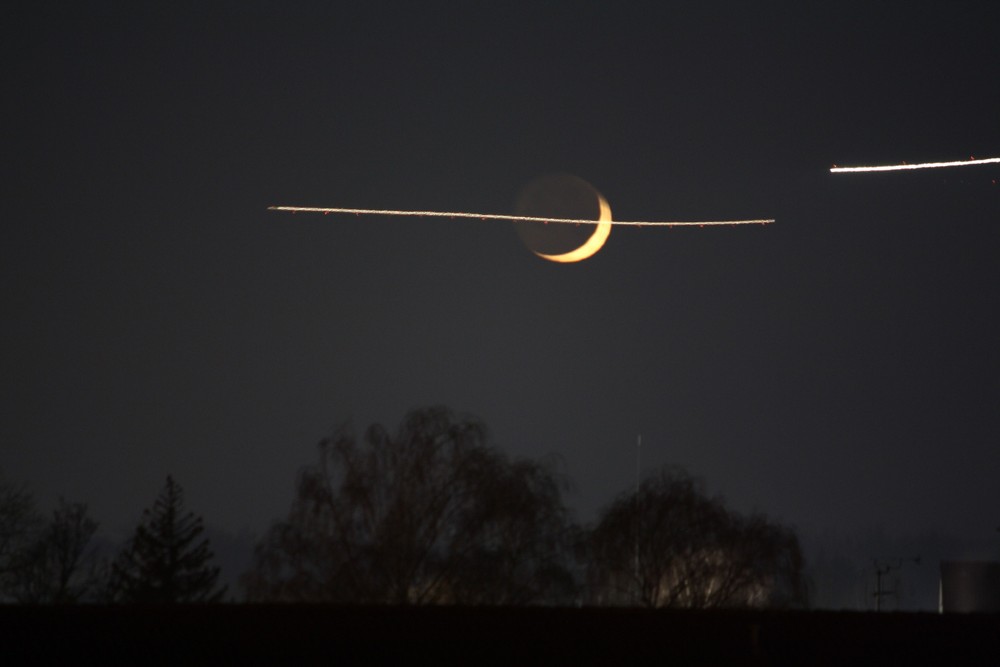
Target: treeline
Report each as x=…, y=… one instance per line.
x=429, y=514
x=54, y=560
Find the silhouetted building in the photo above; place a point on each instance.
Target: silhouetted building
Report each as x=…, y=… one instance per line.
x=970, y=586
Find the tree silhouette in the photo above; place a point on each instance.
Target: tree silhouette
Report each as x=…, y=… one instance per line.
x=669, y=545
x=164, y=562
x=430, y=515
x=19, y=526
x=59, y=567
x=45, y=562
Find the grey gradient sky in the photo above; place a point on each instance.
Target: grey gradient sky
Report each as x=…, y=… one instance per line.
x=837, y=370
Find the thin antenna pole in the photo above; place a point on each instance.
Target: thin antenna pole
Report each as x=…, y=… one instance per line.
x=638, y=522
x=638, y=454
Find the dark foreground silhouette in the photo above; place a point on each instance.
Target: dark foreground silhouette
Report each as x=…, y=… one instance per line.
x=498, y=635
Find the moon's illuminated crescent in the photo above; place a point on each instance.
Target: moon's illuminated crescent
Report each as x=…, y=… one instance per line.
x=602, y=230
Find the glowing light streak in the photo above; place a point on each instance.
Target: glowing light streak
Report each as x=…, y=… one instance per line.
x=921, y=165
x=517, y=218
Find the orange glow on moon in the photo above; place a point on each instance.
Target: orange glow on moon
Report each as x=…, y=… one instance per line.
x=602, y=230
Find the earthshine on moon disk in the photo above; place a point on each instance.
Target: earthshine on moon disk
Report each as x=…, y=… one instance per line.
x=563, y=196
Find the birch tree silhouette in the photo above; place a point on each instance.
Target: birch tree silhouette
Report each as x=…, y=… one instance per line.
x=670, y=545
x=430, y=515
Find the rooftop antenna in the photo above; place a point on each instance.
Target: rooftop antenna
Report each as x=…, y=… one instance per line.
x=883, y=568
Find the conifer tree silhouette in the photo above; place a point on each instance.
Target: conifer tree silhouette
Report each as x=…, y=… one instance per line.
x=164, y=561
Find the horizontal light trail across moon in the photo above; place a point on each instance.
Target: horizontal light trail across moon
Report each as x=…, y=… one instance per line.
x=515, y=218
x=920, y=165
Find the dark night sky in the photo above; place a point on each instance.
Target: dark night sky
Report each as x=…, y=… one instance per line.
x=837, y=370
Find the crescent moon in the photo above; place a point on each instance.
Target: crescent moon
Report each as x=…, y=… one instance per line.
x=602, y=230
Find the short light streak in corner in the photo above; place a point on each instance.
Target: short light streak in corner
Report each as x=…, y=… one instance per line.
x=920, y=165
x=517, y=218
